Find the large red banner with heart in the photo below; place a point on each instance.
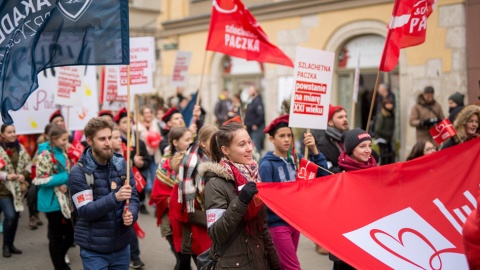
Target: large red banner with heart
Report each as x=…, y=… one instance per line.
x=407, y=215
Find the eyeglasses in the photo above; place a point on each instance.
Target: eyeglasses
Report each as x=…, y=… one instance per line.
x=430, y=149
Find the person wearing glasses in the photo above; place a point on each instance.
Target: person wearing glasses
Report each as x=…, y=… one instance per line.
x=421, y=148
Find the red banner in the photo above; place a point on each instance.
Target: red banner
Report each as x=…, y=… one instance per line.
x=408, y=27
x=139, y=180
x=234, y=31
x=407, y=215
x=442, y=131
x=307, y=170
x=75, y=151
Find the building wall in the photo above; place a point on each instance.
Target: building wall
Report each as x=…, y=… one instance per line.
x=440, y=61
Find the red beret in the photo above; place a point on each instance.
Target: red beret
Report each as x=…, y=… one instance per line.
x=105, y=112
x=55, y=114
x=237, y=119
x=120, y=114
x=333, y=109
x=166, y=117
x=281, y=121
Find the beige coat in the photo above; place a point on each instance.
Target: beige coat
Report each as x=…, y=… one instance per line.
x=421, y=112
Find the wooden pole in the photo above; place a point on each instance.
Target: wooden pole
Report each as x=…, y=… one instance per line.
x=129, y=130
x=373, y=101
x=199, y=94
x=67, y=119
x=306, y=148
x=352, y=119
x=137, y=132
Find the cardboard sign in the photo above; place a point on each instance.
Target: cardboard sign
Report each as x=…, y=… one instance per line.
x=180, y=69
x=313, y=83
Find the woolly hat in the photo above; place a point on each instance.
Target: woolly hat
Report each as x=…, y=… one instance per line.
x=277, y=123
x=168, y=115
x=120, y=114
x=457, y=98
x=333, y=109
x=428, y=90
x=55, y=114
x=352, y=138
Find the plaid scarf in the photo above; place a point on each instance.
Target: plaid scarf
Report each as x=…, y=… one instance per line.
x=190, y=184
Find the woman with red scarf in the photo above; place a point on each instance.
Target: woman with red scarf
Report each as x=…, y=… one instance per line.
x=232, y=208
x=357, y=156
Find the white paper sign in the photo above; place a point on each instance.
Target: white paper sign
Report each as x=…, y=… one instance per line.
x=35, y=113
x=313, y=83
x=180, y=69
x=142, y=65
x=69, y=84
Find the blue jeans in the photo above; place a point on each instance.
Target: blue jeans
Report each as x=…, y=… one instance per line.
x=152, y=173
x=257, y=137
x=10, y=220
x=119, y=260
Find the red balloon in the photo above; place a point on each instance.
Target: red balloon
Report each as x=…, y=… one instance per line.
x=153, y=139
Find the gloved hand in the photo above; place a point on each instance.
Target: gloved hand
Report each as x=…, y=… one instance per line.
x=247, y=193
x=430, y=122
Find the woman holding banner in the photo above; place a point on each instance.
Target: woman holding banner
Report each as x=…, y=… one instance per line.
x=357, y=156
x=466, y=125
x=15, y=167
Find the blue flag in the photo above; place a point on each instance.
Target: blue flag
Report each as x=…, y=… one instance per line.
x=187, y=112
x=40, y=34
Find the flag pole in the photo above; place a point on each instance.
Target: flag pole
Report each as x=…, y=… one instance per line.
x=199, y=93
x=129, y=130
x=137, y=136
x=352, y=121
x=306, y=148
x=373, y=102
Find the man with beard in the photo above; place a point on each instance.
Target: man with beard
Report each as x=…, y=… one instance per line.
x=426, y=114
x=103, y=230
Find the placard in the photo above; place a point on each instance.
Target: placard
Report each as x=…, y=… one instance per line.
x=180, y=69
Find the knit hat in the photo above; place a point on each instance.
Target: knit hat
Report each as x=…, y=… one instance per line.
x=457, y=98
x=333, y=109
x=428, y=90
x=352, y=138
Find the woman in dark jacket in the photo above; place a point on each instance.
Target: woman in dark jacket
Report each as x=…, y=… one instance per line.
x=384, y=128
x=357, y=156
x=232, y=208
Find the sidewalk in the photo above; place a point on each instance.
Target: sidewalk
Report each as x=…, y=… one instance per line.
x=155, y=252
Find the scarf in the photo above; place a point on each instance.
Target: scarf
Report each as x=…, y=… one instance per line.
x=190, y=184
x=24, y=164
x=349, y=164
x=243, y=174
x=334, y=133
x=47, y=166
x=15, y=144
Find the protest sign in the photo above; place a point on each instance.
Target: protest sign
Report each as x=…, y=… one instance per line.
x=180, y=69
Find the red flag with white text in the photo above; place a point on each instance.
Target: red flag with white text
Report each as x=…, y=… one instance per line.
x=442, y=131
x=407, y=215
x=75, y=151
x=307, y=170
x=408, y=27
x=234, y=31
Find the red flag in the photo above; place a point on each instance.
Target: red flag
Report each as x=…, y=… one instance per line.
x=408, y=27
x=442, y=131
x=407, y=215
x=75, y=151
x=234, y=31
x=139, y=180
x=307, y=170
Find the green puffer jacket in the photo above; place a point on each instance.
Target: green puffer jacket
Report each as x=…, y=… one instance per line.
x=224, y=213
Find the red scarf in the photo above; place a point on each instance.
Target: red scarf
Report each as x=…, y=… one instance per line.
x=349, y=164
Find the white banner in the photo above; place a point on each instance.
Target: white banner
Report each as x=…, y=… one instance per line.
x=180, y=69
x=33, y=116
x=313, y=84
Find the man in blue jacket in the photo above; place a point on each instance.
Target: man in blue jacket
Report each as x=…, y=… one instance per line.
x=103, y=230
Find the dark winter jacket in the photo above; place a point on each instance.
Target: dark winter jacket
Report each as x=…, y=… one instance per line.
x=331, y=148
x=100, y=225
x=384, y=125
x=143, y=153
x=276, y=169
x=225, y=212
x=255, y=113
x=222, y=108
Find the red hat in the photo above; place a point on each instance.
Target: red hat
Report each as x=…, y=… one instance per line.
x=279, y=122
x=105, y=112
x=120, y=114
x=168, y=115
x=236, y=119
x=333, y=109
x=55, y=114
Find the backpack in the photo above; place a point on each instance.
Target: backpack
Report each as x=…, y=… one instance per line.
x=74, y=214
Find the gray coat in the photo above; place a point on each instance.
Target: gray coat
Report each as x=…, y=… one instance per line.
x=247, y=251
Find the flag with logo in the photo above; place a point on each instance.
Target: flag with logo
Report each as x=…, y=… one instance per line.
x=36, y=35
x=407, y=215
x=307, y=170
x=234, y=31
x=442, y=131
x=408, y=27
